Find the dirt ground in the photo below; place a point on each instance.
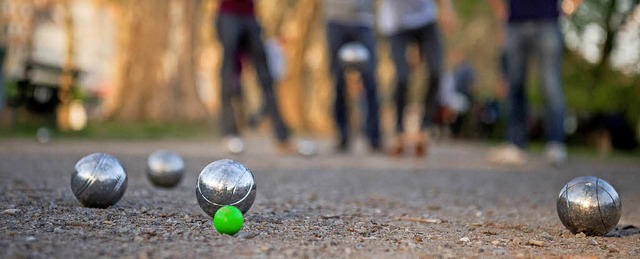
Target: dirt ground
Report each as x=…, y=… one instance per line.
x=452, y=204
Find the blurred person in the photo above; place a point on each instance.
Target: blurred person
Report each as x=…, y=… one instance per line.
x=532, y=29
x=349, y=21
x=237, y=26
x=456, y=93
x=403, y=22
x=3, y=53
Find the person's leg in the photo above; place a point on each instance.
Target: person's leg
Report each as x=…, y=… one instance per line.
x=517, y=50
x=259, y=57
x=433, y=52
x=229, y=32
x=336, y=37
x=432, y=49
x=367, y=37
x=549, y=48
x=398, y=44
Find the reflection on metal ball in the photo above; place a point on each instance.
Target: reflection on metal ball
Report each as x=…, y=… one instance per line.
x=590, y=205
x=99, y=180
x=225, y=182
x=354, y=55
x=165, y=168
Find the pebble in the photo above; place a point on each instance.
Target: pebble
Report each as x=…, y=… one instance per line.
x=465, y=239
x=536, y=243
x=499, y=252
x=11, y=211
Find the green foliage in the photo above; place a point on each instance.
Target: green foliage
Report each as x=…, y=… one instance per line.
x=617, y=92
x=28, y=126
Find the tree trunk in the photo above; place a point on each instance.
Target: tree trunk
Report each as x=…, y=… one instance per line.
x=67, y=79
x=290, y=90
x=157, y=62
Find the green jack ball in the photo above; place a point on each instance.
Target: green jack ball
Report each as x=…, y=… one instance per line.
x=228, y=220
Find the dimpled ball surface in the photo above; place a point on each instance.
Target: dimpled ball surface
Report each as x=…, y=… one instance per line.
x=165, y=168
x=590, y=205
x=228, y=220
x=99, y=180
x=225, y=182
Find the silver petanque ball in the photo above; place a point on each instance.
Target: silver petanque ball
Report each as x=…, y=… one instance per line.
x=99, y=180
x=225, y=182
x=165, y=168
x=590, y=205
x=354, y=55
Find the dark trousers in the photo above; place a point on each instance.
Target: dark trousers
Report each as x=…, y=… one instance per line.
x=338, y=34
x=430, y=43
x=232, y=30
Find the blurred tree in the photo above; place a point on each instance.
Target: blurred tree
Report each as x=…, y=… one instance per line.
x=158, y=46
x=609, y=15
x=68, y=66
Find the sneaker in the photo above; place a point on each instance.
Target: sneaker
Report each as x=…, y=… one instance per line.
x=556, y=153
x=422, y=145
x=285, y=148
x=342, y=146
x=508, y=155
x=397, y=150
x=234, y=144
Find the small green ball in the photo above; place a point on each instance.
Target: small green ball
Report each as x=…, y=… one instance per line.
x=228, y=220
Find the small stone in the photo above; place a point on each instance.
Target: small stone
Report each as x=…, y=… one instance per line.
x=581, y=235
x=516, y=241
x=499, y=252
x=495, y=242
x=593, y=242
x=11, y=211
x=536, y=243
x=465, y=239
x=30, y=239
x=613, y=249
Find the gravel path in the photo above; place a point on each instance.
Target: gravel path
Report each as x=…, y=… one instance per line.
x=453, y=204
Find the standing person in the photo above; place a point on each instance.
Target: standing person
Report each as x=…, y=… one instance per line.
x=237, y=24
x=532, y=29
x=349, y=21
x=405, y=21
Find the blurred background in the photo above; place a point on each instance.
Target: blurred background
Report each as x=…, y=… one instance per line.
x=78, y=65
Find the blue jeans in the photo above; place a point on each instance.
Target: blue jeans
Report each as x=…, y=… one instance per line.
x=338, y=34
x=430, y=43
x=543, y=39
x=232, y=31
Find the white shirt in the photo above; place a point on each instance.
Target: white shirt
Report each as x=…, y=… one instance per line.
x=399, y=15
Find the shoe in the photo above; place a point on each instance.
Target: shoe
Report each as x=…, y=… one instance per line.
x=285, y=148
x=376, y=146
x=508, y=155
x=397, y=149
x=342, y=146
x=422, y=145
x=234, y=144
x=556, y=153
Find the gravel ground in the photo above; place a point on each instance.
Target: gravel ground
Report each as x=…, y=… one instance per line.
x=453, y=204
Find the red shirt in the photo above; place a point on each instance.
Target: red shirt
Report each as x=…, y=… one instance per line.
x=238, y=7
